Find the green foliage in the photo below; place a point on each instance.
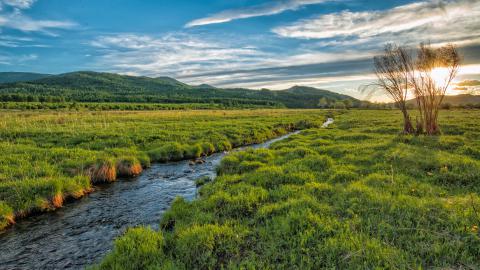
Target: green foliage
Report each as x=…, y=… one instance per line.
x=202, y=181
x=359, y=196
x=106, y=87
x=141, y=248
x=47, y=156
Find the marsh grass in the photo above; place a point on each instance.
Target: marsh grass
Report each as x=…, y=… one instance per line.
x=49, y=156
x=356, y=195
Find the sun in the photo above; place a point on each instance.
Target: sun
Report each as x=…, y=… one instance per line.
x=440, y=76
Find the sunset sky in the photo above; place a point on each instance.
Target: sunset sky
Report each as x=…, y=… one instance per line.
x=234, y=43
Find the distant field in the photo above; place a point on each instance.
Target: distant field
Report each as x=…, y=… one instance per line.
x=46, y=156
x=353, y=196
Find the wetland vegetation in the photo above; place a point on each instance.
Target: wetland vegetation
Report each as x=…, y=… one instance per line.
x=47, y=157
x=356, y=195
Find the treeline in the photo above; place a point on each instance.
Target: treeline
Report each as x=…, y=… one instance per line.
x=20, y=97
x=96, y=106
x=30, y=98
x=105, y=87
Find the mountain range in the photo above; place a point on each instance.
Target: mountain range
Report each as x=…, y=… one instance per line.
x=87, y=86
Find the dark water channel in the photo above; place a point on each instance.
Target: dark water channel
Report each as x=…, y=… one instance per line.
x=82, y=232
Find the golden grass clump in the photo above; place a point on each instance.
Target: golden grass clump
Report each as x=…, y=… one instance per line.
x=103, y=171
x=129, y=167
x=57, y=201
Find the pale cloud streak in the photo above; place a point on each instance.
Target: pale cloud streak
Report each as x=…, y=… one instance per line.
x=17, y=59
x=177, y=54
x=272, y=8
x=22, y=4
x=14, y=18
x=437, y=21
x=195, y=59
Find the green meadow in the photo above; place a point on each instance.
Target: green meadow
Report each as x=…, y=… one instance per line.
x=49, y=156
x=356, y=195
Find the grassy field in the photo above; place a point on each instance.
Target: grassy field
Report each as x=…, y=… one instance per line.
x=353, y=196
x=48, y=156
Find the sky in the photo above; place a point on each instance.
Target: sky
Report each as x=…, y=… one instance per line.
x=255, y=44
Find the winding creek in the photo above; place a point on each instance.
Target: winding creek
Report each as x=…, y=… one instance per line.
x=82, y=232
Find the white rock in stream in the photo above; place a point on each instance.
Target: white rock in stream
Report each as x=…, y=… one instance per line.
x=328, y=122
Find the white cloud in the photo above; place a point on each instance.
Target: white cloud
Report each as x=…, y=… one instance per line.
x=17, y=20
x=431, y=20
x=275, y=7
x=171, y=54
x=17, y=59
x=22, y=4
x=196, y=60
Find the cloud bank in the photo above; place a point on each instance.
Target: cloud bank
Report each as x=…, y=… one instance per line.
x=272, y=8
x=437, y=21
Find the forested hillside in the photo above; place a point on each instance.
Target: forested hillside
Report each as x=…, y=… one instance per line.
x=107, y=87
x=9, y=77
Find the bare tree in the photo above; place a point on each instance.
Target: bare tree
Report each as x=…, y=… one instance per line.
x=432, y=74
x=393, y=69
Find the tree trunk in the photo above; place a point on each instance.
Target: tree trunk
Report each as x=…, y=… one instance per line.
x=407, y=122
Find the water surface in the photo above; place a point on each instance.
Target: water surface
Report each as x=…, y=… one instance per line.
x=82, y=232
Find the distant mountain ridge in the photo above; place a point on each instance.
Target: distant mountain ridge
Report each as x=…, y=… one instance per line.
x=88, y=86
x=454, y=100
x=10, y=77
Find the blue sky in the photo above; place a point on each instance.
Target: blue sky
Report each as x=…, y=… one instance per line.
x=232, y=43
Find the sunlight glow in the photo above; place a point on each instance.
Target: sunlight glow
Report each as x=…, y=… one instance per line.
x=440, y=76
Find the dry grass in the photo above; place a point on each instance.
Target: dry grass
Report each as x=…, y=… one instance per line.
x=103, y=171
x=129, y=168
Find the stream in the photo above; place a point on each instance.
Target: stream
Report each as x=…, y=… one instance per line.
x=82, y=232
